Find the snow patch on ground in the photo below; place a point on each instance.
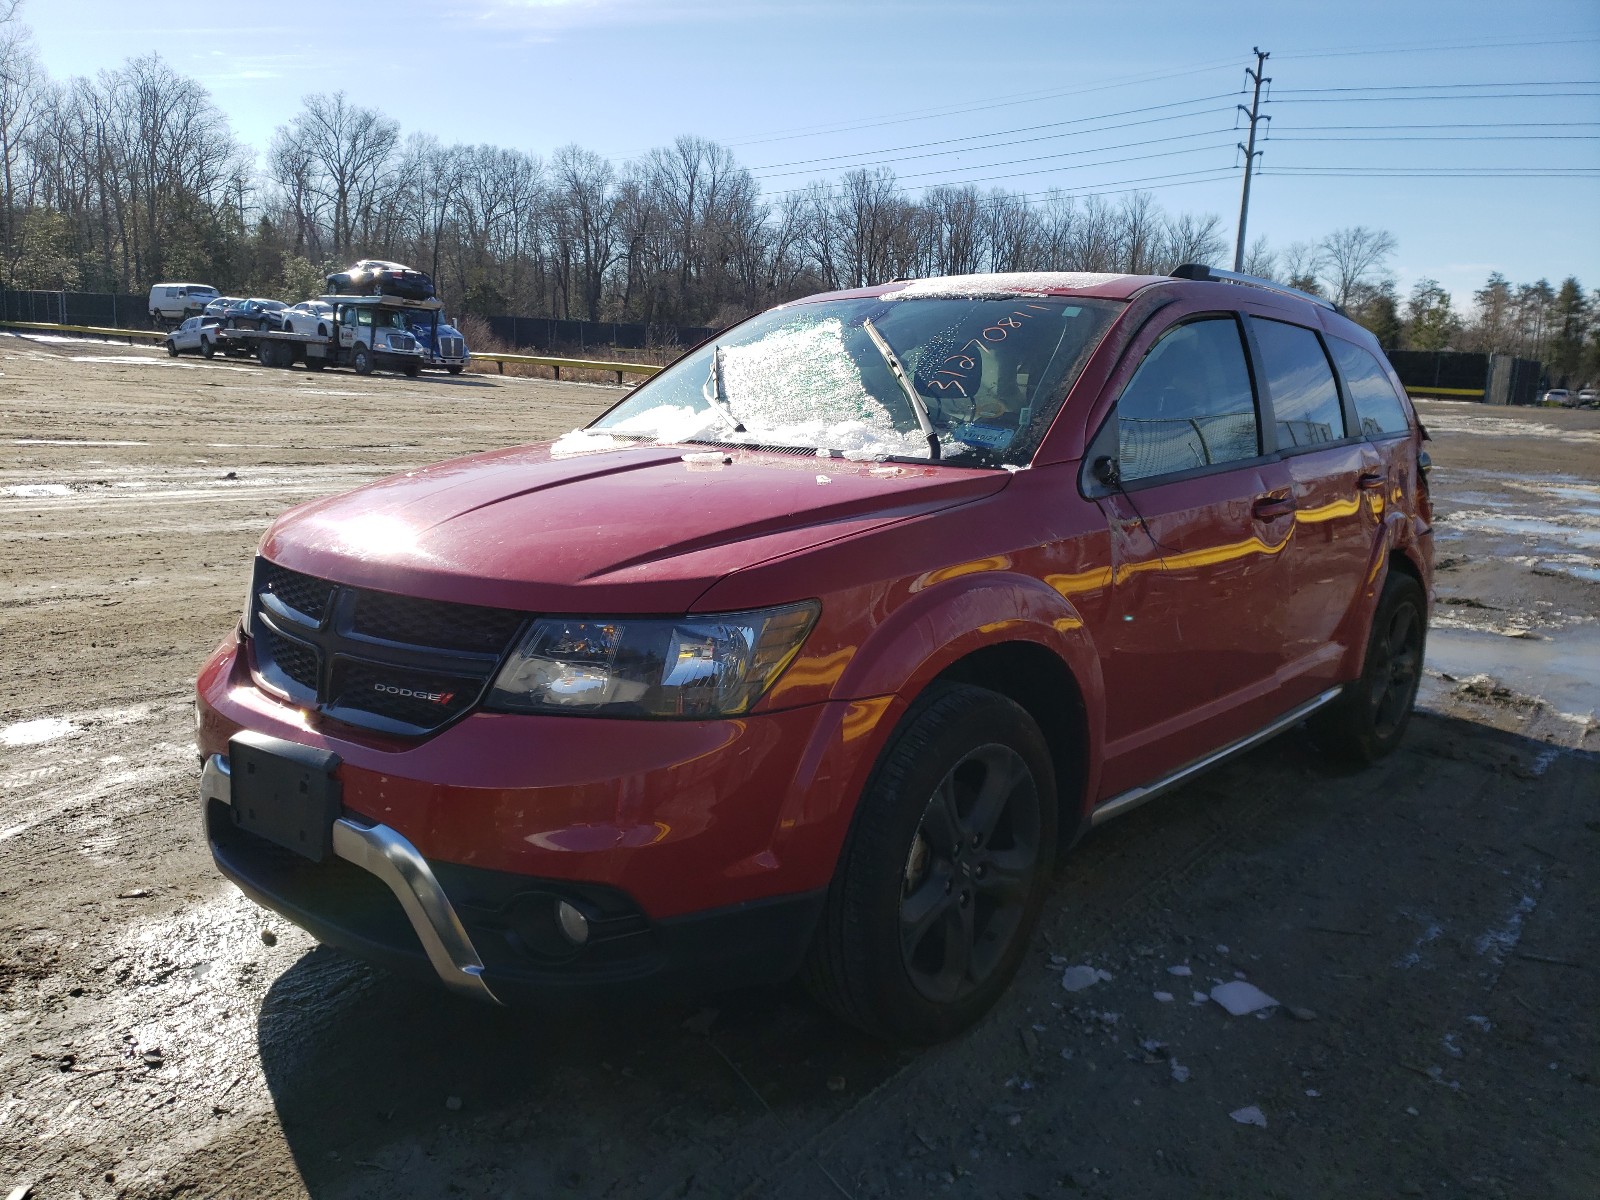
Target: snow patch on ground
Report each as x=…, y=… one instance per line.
x=1497, y=942
x=36, y=732
x=1241, y=998
x=36, y=491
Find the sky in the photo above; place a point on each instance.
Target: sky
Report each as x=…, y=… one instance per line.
x=1370, y=101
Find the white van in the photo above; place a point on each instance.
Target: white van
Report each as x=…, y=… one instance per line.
x=175, y=301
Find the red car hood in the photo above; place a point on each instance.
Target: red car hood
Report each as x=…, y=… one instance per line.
x=642, y=529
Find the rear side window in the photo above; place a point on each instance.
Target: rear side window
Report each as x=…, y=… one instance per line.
x=1189, y=405
x=1305, y=400
x=1377, y=406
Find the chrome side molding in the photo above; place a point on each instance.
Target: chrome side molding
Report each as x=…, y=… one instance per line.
x=381, y=851
x=1134, y=797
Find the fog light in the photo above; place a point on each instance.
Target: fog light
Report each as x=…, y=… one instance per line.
x=573, y=923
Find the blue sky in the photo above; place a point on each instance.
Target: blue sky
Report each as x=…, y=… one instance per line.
x=807, y=90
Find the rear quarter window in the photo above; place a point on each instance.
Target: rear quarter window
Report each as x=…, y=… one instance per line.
x=1305, y=399
x=1378, y=407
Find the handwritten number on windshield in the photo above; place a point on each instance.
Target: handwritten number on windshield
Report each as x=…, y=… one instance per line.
x=998, y=332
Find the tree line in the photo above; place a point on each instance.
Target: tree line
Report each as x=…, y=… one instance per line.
x=134, y=176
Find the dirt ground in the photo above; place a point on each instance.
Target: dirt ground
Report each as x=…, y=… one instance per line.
x=1429, y=927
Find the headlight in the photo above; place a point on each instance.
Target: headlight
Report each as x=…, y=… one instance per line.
x=696, y=666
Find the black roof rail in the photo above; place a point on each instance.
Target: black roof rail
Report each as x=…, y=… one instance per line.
x=1207, y=274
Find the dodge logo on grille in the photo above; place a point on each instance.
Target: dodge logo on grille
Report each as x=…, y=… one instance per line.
x=390, y=689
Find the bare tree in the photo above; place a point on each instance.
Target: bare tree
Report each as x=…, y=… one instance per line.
x=346, y=152
x=1352, y=257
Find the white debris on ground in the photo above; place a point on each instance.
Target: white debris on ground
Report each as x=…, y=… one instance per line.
x=1496, y=942
x=36, y=732
x=1482, y=1023
x=1249, y=1115
x=1164, y=997
x=1180, y=970
x=1241, y=998
x=36, y=491
x=1200, y=998
x=1075, y=979
x=1180, y=1073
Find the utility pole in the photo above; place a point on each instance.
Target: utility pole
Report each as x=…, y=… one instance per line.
x=1250, y=151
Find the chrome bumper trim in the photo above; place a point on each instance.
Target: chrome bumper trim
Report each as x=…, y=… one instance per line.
x=1134, y=797
x=381, y=851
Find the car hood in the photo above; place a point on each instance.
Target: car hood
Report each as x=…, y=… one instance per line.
x=639, y=529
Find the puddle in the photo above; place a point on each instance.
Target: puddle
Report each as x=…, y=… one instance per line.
x=1577, y=570
x=1552, y=535
x=1564, y=671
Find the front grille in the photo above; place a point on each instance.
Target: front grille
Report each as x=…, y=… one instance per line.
x=409, y=698
x=300, y=592
x=450, y=347
x=295, y=660
x=429, y=622
x=392, y=663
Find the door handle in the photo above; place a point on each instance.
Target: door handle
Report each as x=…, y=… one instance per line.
x=1371, y=482
x=1267, y=508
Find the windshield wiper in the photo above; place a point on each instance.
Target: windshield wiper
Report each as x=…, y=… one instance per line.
x=899, y=373
x=716, y=394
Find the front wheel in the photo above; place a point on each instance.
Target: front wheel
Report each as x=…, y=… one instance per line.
x=1368, y=721
x=172, y=348
x=944, y=872
x=454, y=370
x=412, y=370
x=361, y=360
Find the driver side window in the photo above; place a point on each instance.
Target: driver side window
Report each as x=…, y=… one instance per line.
x=1190, y=404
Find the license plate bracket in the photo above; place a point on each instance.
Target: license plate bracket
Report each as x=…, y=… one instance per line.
x=285, y=792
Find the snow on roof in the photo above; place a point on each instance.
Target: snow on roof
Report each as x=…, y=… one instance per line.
x=1004, y=283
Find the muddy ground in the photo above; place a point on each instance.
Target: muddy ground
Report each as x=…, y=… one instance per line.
x=1429, y=926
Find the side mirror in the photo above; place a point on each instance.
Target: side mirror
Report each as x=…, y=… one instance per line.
x=1106, y=472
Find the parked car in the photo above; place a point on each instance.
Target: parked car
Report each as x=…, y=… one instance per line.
x=175, y=301
x=376, y=277
x=309, y=316
x=1559, y=397
x=220, y=305
x=197, y=335
x=254, y=314
x=1588, y=397
x=812, y=652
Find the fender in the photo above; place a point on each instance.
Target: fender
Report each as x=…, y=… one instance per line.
x=933, y=629
x=940, y=625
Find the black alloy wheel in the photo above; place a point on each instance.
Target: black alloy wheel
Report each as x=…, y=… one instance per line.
x=944, y=872
x=1368, y=721
x=969, y=873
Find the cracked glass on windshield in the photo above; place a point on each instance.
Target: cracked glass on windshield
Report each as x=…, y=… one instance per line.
x=991, y=372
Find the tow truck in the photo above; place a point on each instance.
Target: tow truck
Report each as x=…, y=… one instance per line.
x=365, y=333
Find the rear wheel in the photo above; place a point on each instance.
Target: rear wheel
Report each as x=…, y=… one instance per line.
x=1368, y=721
x=944, y=873
x=208, y=348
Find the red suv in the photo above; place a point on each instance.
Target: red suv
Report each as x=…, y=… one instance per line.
x=811, y=654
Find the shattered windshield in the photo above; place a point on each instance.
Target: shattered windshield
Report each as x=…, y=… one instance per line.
x=990, y=372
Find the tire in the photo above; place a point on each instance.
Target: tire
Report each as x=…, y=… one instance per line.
x=315, y=364
x=208, y=348
x=412, y=370
x=266, y=355
x=263, y=325
x=172, y=348
x=454, y=370
x=944, y=872
x=361, y=360
x=1368, y=722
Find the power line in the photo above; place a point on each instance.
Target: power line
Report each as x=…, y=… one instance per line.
x=1490, y=137
x=1012, y=162
x=1414, y=87
x=1023, y=129
x=1473, y=44
x=1431, y=99
x=1461, y=125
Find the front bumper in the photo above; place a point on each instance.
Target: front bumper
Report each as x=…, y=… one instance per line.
x=381, y=900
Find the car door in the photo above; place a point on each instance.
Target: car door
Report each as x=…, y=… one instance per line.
x=1337, y=479
x=1199, y=512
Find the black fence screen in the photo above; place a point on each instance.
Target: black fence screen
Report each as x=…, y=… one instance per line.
x=120, y=310
x=1422, y=369
x=549, y=333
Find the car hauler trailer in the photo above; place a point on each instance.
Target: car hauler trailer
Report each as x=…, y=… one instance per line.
x=365, y=333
